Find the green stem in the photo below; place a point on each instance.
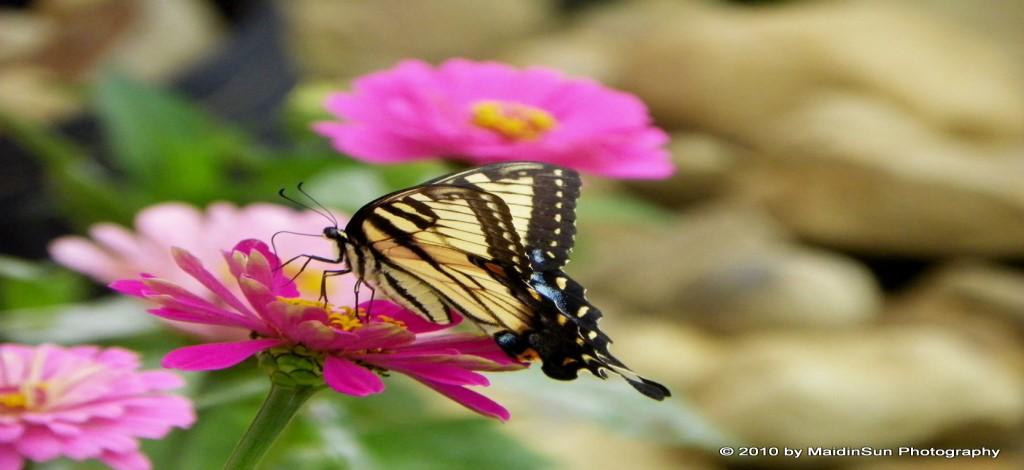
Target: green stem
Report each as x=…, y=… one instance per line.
x=278, y=409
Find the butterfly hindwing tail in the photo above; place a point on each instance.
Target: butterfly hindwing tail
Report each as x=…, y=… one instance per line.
x=563, y=357
x=574, y=341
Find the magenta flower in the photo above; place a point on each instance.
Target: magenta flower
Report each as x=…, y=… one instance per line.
x=83, y=403
x=340, y=347
x=487, y=112
x=117, y=253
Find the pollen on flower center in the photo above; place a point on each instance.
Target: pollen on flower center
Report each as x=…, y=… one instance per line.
x=387, y=319
x=342, y=318
x=14, y=400
x=513, y=120
x=24, y=398
x=345, y=319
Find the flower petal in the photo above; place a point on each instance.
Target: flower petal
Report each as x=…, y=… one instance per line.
x=10, y=432
x=432, y=368
x=9, y=458
x=415, y=111
x=194, y=267
x=470, y=399
x=460, y=343
x=132, y=287
x=413, y=322
x=263, y=266
x=214, y=356
x=198, y=317
x=378, y=335
x=132, y=460
x=38, y=444
x=349, y=378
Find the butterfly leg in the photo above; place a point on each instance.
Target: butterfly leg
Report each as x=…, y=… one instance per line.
x=309, y=258
x=373, y=294
x=323, y=281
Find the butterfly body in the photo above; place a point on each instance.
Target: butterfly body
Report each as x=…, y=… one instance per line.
x=489, y=243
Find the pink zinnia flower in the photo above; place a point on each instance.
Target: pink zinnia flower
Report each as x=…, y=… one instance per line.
x=487, y=112
x=115, y=252
x=347, y=348
x=83, y=403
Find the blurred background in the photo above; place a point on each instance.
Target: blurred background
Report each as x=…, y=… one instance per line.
x=836, y=263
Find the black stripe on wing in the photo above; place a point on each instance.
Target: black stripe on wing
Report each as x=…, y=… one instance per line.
x=565, y=348
x=542, y=199
x=459, y=242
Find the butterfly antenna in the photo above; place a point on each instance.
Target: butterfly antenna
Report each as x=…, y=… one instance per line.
x=273, y=246
x=274, y=237
x=321, y=206
x=327, y=215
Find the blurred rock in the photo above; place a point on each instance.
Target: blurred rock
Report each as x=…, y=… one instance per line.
x=579, y=53
x=22, y=34
x=82, y=33
x=166, y=37
x=55, y=43
x=733, y=70
x=734, y=271
x=342, y=39
x=985, y=302
x=1006, y=461
x=873, y=126
x=883, y=388
x=982, y=287
x=593, y=44
x=35, y=94
x=998, y=21
x=584, y=447
x=704, y=164
x=864, y=175
x=678, y=356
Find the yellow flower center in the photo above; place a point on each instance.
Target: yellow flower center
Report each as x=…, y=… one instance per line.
x=342, y=318
x=306, y=303
x=28, y=396
x=387, y=319
x=513, y=120
x=14, y=400
x=347, y=319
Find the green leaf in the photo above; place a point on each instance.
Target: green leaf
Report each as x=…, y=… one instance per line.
x=352, y=186
x=618, y=406
x=347, y=189
x=27, y=284
x=264, y=176
x=210, y=441
x=166, y=146
x=449, y=444
x=393, y=430
x=78, y=323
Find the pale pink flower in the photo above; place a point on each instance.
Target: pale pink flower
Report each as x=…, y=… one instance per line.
x=347, y=348
x=487, y=112
x=83, y=403
x=114, y=252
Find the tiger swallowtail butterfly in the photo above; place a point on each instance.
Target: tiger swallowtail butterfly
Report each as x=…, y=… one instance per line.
x=490, y=243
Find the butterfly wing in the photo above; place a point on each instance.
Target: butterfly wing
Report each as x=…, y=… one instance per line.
x=490, y=242
x=542, y=202
x=436, y=247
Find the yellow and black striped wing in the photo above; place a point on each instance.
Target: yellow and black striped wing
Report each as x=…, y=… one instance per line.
x=542, y=203
x=438, y=246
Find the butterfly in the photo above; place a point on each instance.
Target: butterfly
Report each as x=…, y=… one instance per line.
x=490, y=243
